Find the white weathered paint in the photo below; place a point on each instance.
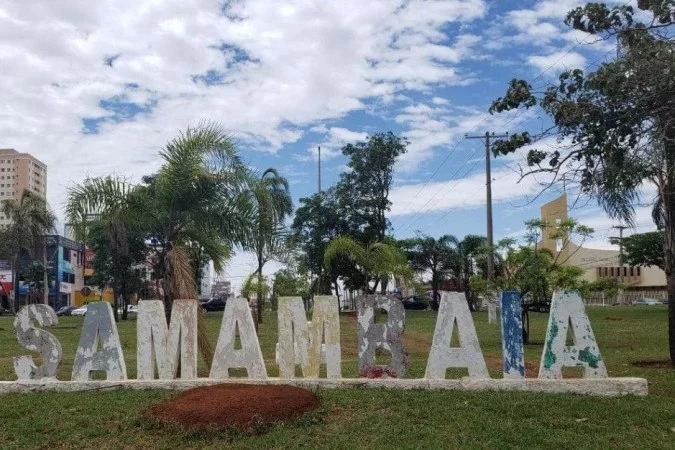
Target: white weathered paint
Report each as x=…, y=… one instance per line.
x=237, y=316
x=298, y=357
x=453, y=308
x=566, y=307
x=301, y=341
x=372, y=336
x=165, y=345
x=99, y=326
x=37, y=340
x=608, y=387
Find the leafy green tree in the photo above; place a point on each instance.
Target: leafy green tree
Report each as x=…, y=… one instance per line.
x=435, y=256
x=372, y=262
x=619, y=120
x=643, y=249
x=118, y=256
x=272, y=204
x=31, y=221
x=537, y=272
x=318, y=220
x=199, y=196
x=367, y=184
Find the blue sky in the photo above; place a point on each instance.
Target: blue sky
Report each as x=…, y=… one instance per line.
x=94, y=88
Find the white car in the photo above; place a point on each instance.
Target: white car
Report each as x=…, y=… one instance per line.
x=81, y=311
x=646, y=302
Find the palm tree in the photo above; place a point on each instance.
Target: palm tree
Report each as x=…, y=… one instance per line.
x=373, y=262
x=31, y=221
x=106, y=202
x=271, y=198
x=438, y=256
x=197, y=198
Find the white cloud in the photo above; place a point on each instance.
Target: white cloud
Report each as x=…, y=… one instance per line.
x=557, y=61
x=463, y=193
x=277, y=68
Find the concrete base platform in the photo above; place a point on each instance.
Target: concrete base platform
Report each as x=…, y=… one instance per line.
x=585, y=386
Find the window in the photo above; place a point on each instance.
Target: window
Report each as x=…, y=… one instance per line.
x=638, y=271
x=632, y=272
x=605, y=271
x=625, y=271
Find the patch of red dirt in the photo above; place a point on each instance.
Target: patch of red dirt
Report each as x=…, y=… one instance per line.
x=531, y=367
x=664, y=364
x=239, y=406
x=613, y=319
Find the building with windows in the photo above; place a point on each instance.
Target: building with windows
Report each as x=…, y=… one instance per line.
x=65, y=259
x=597, y=264
x=18, y=172
x=221, y=289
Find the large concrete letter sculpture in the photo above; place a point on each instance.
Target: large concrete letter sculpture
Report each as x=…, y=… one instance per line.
x=99, y=326
x=385, y=336
x=567, y=307
x=295, y=329
x=238, y=316
x=166, y=344
x=453, y=309
x=513, y=352
x=37, y=340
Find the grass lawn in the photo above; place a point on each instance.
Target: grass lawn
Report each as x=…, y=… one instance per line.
x=374, y=418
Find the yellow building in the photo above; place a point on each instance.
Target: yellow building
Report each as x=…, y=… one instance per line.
x=597, y=264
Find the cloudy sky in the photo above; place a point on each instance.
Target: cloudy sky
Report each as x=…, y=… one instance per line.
x=97, y=87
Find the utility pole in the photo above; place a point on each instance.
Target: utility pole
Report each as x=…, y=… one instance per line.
x=319, y=169
x=488, y=184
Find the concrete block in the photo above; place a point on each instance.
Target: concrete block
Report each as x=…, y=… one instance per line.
x=37, y=340
x=568, y=308
x=384, y=336
x=454, y=309
x=606, y=387
x=166, y=345
x=237, y=316
x=99, y=328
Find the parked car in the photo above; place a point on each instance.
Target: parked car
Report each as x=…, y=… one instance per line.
x=418, y=302
x=81, y=311
x=646, y=302
x=215, y=304
x=65, y=310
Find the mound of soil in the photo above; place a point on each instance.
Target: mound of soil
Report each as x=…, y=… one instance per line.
x=239, y=406
x=665, y=364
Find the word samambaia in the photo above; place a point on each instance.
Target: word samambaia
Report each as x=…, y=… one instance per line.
x=169, y=350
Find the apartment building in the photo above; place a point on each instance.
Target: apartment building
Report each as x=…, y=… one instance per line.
x=20, y=171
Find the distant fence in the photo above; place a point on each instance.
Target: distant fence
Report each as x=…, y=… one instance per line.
x=624, y=298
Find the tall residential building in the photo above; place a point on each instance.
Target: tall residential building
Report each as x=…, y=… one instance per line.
x=20, y=171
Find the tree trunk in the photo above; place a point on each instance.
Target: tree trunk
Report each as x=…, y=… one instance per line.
x=116, y=303
x=259, y=303
x=45, y=276
x=669, y=258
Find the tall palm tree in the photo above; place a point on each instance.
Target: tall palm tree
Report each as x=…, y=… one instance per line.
x=31, y=221
x=272, y=203
x=373, y=262
x=198, y=197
